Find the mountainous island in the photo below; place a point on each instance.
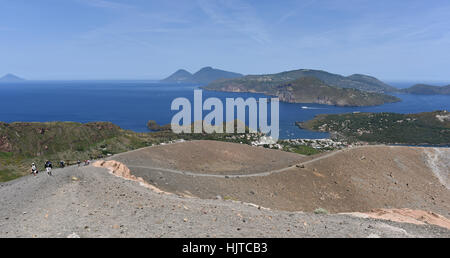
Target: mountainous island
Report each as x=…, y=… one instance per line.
x=312, y=86
x=11, y=78
x=424, y=89
x=203, y=76
x=390, y=128
x=356, y=81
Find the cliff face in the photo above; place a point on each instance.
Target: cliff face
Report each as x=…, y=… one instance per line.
x=306, y=90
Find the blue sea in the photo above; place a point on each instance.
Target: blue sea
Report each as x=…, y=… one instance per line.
x=130, y=104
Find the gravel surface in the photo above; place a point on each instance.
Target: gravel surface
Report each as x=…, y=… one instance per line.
x=352, y=180
x=90, y=202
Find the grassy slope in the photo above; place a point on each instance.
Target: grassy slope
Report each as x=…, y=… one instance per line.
x=423, y=128
x=24, y=143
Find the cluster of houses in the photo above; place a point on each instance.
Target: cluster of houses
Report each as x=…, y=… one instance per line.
x=320, y=144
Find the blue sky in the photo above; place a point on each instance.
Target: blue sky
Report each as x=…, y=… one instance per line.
x=145, y=39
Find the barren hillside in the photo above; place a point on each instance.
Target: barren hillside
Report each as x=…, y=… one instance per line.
x=91, y=202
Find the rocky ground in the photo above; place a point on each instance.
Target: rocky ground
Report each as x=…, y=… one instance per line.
x=91, y=202
x=359, y=179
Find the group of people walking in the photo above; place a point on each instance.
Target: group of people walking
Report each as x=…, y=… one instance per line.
x=48, y=168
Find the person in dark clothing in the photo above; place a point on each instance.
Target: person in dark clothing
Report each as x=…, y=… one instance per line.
x=48, y=167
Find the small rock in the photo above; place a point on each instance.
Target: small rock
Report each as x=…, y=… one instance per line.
x=73, y=235
x=373, y=236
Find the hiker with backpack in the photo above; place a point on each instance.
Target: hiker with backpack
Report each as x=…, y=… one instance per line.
x=48, y=167
x=34, y=170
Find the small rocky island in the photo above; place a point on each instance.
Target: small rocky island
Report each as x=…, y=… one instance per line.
x=10, y=78
x=423, y=89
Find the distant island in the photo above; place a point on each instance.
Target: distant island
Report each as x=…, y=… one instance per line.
x=11, y=78
x=312, y=86
x=389, y=128
x=356, y=81
x=424, y=89
x=204, y=76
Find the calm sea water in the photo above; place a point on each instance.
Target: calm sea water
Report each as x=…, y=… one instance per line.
x=130, y=104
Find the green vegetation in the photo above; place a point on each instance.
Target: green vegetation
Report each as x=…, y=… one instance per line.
x=301, y=149
x=8, y=175
x=24, y=143
x=321, y=211
x=309, y=89
x=262, y=82
x=295, y=87
x=155, y=127
x=389, y=128
x=423, y=89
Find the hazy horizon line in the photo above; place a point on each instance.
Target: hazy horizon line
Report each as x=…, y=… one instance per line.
x=388, y=81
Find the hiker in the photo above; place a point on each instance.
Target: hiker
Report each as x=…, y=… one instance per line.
x=34, y=170
x=62, y=164
x=48, y=167
x=79, y=163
